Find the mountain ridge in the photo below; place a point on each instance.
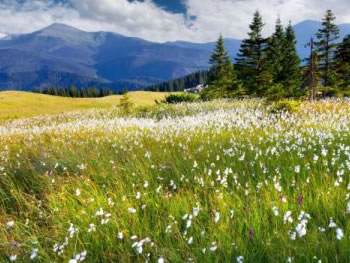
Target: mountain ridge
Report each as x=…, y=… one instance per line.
x=110, y=59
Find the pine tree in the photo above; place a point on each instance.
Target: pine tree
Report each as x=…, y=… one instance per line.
x=290, y=74
x=342, y=60
x=326, y=46
x=219, y=59
x=252, y=55
x=275, y=52
x=312, y=72
x=222, y=76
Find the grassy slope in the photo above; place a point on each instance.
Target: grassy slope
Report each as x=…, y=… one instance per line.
x=168, y=163
x=15, y=104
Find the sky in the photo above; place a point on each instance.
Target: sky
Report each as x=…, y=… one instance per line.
x=163, y=20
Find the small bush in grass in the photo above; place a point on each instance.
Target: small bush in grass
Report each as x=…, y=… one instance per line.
x=180, y=98
x=125, y=104
x=284, y=106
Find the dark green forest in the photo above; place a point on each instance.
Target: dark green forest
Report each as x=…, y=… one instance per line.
x=270, y=67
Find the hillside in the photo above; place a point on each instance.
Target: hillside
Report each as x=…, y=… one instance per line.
x=61, y=55
x=16, y=104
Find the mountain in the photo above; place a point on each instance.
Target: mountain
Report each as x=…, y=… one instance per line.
x=100, y=58
x=61, y=55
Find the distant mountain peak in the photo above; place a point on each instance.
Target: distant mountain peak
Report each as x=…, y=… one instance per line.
x=60, y=27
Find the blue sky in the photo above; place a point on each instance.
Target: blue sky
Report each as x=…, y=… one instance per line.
x=163, y=20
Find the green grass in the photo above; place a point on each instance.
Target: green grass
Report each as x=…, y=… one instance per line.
x=15, y=104
x=190, y=163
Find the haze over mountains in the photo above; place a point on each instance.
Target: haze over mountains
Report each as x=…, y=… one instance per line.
x=61, y=55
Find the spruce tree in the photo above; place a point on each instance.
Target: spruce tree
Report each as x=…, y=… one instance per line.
x=327, y=42
x=290, y=74
x=342, y=59
x=251, y=57
x=312, y=75
x=222, y=76
x=275, y=52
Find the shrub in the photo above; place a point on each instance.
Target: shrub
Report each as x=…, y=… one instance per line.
x=126, y=104
x=180, y=98
x=284, y=106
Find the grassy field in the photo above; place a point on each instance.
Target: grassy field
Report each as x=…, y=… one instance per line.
x=15, y=104
x=202, y=182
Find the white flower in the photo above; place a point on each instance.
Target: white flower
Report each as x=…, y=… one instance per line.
x=340, y=233
x=240, y=259
x=34, y=253
x=301, y=228
x=10, y=224
x=332, y=224
x=297, y=169
x=99, y=212
x=348, y=208
x=217, y=217
x=160, y=260
x=288, y=217
x=132, y=210
x=190, y=240
x=77, y=192
x=92, y=228
x=120, y=235
x=275, y=210
x=213, y=246
x=13, y=258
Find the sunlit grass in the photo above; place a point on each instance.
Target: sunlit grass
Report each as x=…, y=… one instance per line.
x=206, y=182
x=15, y=104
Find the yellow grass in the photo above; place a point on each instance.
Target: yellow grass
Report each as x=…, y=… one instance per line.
x=16, y=104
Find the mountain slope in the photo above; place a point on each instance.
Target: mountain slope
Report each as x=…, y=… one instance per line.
x=62, y=55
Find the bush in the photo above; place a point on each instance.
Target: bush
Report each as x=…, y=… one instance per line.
x=125, y=104
x=180, y=98
x=284, y=106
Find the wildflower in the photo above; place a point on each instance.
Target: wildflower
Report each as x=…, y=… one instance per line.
x=297, y=169
x=120, y=235
x=77, y=192
x=288, y=217
x=34, y=253
x=217, y=217
x=13, y=258
x=340, y=233
x=240, y=259
x=160, y=260
x=332, y=224
x=213, y=246
x=190, y=240
x=132, y=210
x=99, y=212
x=10, y=224
x=275, y=211
x=92, y=228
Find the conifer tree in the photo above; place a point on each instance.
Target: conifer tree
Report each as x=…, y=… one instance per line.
x=290, y=74
x=251, y=56
x=342, y=59
x=275, y=52
x=312, y=72
x=222, y=76
x=327, y=37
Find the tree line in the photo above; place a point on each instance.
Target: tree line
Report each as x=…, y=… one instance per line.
x=75, y=92
x=270, y=67
x=180, y=84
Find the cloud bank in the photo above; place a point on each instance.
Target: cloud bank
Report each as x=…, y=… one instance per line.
x=203, y=21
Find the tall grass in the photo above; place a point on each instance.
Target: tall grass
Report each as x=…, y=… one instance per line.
x=204, y=182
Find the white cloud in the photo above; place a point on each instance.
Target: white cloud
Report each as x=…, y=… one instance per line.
x=146, y=20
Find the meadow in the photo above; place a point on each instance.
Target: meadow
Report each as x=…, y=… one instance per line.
x=16, y=104
x=221, y=181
